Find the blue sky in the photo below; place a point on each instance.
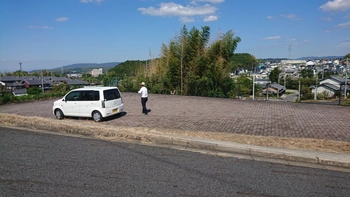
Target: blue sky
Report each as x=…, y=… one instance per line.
x=44, y=34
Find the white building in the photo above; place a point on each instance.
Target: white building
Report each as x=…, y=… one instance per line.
x=293, y=61
x=96, y=72
x=76, y=75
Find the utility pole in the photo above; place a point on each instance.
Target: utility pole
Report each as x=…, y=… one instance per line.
x=267, y=91
x=315, y=97
x=253, y=87
x=42, y=81
x=322, y=72
x=284, y=76
x=299, y=93
x=346, y=78
x=182, y=54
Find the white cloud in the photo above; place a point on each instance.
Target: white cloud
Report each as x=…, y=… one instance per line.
x=326, y=18
x=326, y=31
x=290, y=16
x=344, y=25
x=39, y=27
x=173, y=9
x=269, y=17
x=336, y=6
x=61, y=19
x=91, y=1
x=272, y=38
x=210, y=18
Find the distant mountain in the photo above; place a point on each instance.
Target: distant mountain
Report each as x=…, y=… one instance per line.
x=88, y=65
x=322, y=57
x=84, y=67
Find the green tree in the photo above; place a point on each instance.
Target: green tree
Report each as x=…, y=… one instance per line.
x=306, y=93
x=61, y=88
x=274, y=75
x=20, y=73
x=307, y=72
x=243, y=60
x=188, y=64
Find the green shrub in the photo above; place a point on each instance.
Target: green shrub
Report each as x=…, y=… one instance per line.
x=7, y=98
x=34, y=90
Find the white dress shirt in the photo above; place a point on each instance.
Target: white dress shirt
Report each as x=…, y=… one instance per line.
x=144, y=92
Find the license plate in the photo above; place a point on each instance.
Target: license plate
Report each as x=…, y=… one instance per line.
x=115, y=110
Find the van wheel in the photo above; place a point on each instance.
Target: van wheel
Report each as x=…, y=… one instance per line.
x=96, y=115
x=59, y=114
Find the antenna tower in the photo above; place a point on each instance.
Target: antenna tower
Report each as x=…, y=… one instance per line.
x=289, y=51
x=20, y=69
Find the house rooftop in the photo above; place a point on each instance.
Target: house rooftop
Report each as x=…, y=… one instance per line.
x=9, y=78
x=337, y=78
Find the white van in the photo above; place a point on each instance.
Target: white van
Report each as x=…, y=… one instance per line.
x=95, y=102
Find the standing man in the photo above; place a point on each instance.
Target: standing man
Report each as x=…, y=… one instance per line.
x=144, y=97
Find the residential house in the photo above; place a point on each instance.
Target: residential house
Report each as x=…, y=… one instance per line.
x=76, y=82
x=19, y=92
x=333, y=79
x=37, y=82
x=327, y=89
x=72, y=82
x=331, y=85
x=14, y=85
x=241, y=71
x=273, y=88
x=19, y=85
x=55, y=80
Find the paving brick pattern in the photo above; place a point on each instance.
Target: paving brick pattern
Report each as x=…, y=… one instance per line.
x=220, y=115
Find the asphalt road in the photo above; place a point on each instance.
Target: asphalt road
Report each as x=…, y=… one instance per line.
x=41, y=164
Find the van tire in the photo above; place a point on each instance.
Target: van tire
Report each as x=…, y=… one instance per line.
x=96, y=116
x=59, y=114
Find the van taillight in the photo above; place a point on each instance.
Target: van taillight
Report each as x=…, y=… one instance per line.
x=103, y=104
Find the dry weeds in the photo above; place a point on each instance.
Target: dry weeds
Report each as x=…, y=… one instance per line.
x=146, y=135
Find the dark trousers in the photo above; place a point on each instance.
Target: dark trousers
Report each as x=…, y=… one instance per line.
x=143, y=102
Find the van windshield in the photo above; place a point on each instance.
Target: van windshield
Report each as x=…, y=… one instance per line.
x=111, y=94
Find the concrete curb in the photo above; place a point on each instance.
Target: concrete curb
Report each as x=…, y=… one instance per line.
x=303, y=156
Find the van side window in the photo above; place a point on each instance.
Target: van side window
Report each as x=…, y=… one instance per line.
x=111, y=94
x=96, y=95
x=89, y=95
x=73, y=96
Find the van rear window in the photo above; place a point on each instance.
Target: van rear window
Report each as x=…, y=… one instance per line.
x=111, y=94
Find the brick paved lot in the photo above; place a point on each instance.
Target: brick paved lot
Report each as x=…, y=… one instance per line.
x=220, y=115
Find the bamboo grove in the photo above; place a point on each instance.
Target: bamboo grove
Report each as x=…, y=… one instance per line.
x=189, y=64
